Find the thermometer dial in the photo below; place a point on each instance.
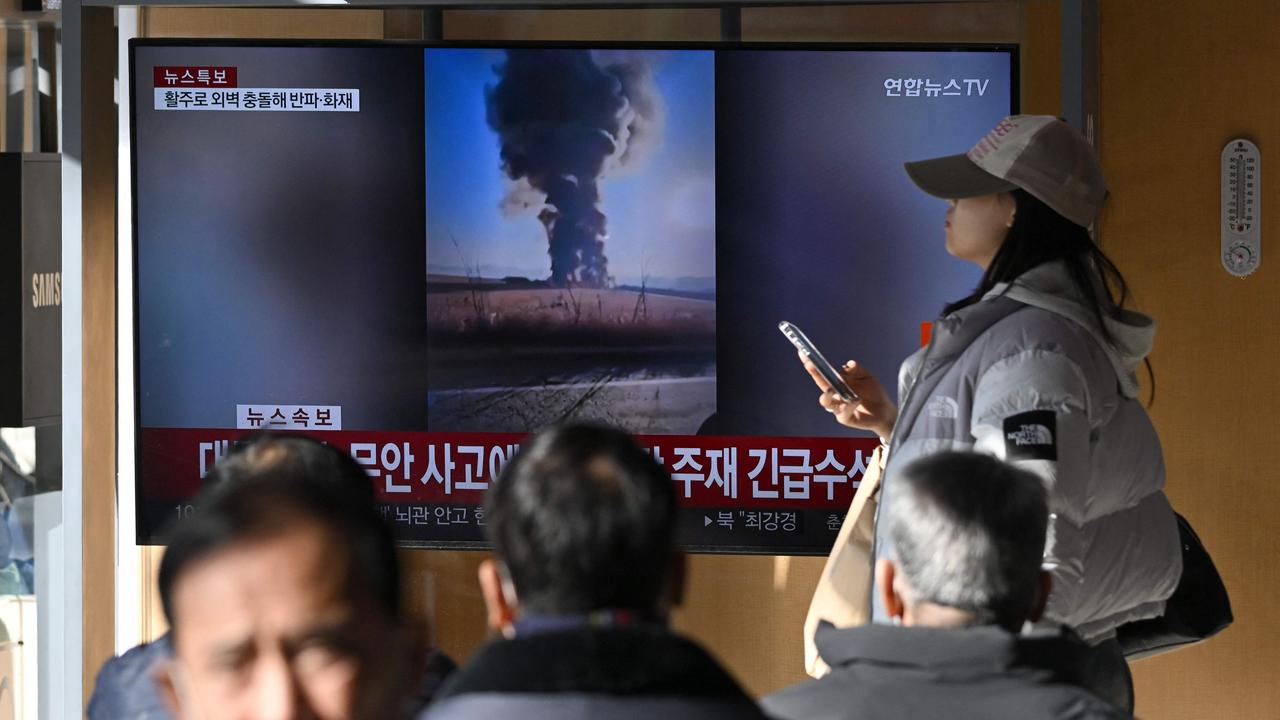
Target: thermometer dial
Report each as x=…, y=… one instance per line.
x=1239, y=260
x=1241, y=234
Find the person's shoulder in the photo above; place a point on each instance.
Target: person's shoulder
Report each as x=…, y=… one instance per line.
x=1075, y=703
x=136, y=662
x=1037, y=344
x=1032, y=326
x=577, y=705
x=831, y=696
x=126, y=685
x=641, y=661
x=848, y=695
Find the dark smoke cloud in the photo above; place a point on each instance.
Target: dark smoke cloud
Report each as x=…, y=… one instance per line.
x=564, y=121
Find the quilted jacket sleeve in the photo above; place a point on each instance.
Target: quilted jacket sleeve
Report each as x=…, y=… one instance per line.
x=1031, y=409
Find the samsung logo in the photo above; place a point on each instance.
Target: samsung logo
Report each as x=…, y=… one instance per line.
x=46, y=289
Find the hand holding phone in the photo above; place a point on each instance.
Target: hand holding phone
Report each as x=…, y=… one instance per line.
x=810, y=351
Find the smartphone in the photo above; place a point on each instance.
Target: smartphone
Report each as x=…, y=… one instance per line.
x=809, y=350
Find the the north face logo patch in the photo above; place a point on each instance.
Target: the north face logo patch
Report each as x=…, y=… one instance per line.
x=942, y=407
x=1031, y=436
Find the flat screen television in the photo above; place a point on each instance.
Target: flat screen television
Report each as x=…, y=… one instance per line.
x=422, y=253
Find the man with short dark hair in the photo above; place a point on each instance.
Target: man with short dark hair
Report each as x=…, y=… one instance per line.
x=584, y=574
x=963, y=576
x=283, y=593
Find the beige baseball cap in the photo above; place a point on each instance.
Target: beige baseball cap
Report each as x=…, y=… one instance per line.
x=1037, y=153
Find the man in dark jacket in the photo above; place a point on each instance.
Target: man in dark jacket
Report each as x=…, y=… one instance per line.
x=962, y=578
x=583, y=577
x=283, y=594
x=304, y=481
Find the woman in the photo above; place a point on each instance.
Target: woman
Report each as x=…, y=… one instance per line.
x=1038, y=366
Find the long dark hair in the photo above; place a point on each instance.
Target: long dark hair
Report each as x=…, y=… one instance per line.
x=1040, y=235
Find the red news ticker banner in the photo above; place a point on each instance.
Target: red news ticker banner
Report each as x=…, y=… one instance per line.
x=189, y=76
x=456, y=468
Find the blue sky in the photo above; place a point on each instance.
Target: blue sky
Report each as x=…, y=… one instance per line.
x=661, y=217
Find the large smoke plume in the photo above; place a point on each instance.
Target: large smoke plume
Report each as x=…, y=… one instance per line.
x=566, y=119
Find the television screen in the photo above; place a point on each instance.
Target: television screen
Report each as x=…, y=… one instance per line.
x=422, y=254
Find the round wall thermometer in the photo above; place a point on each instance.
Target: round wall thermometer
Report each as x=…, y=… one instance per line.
x=1241, y=207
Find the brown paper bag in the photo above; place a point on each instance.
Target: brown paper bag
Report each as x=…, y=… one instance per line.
x=843, y=595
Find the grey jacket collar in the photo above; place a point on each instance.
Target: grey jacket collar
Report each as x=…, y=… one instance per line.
x=1048, y=287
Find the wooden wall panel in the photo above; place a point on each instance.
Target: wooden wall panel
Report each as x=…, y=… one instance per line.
x=402, y=24
x=1179, y=79
x=151, y=621
x=749, y=612
x=98, y=329
x=673, y=24
x=441, y=587
x=302, y=24
x=976, y=22
x=1040, y=57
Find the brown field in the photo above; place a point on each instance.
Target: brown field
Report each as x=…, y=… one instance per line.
x=560, y=309
x=518, y=358
x=658, y=406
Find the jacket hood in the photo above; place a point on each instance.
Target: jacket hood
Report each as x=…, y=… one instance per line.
x=1049, y=288
x=954, y=653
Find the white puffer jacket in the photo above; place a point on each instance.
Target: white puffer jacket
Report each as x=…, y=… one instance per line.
x=1027, y=375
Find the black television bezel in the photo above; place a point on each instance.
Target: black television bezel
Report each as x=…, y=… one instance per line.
x=1012, y=49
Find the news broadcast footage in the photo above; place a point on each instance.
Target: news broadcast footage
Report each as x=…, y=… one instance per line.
x=578, y=280
x=422, y=254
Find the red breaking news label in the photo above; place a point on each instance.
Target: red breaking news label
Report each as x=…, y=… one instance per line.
x=190, y=76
